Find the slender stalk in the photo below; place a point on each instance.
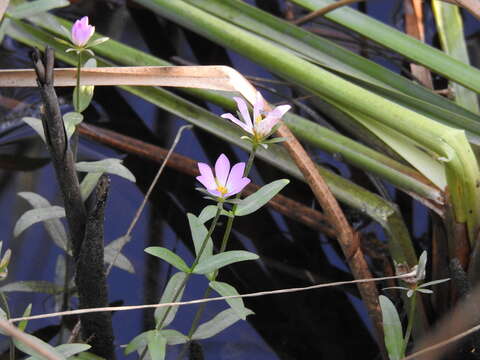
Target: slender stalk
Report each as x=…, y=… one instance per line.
x=195, y=262
x=79, y=67
x=223, y=246
x=411, y=315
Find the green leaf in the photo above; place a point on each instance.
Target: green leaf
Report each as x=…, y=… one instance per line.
x=255, y=201
x=434, y=282
x=174, y=337
x=392, y=328
x=3, y=316
x=168, y=256
x=220, y=322
x=34, y=7
x=452, y=39
x=68, y=350
x=112, y=250
x=71, y=120
x=87, y=356
x=54, y=227
x=33, y=216
x=88, y=184
x=39, y=286
x=23, y=324
x=176, y=285
x=138, y=342
x=98, y=41
x=110, y=166
x=421, y=267
x=86, y=96
x=86, y=91
x=41, y=344
x=199, y=234
x=35, y=124
x=424, y=291
x=220, y=260
x=207, y=213
x=236, y=304
x=157, y=345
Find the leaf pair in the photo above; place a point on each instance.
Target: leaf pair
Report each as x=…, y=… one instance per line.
x=205, y=266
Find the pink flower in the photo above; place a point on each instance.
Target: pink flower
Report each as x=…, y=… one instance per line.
x=82, y=32
x=226, y=182
x=263, y=121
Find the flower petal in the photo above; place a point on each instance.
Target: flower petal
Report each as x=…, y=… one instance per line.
x=258, y=106
x=215, y=193
x=239, y=185
x=236, y=174
x=242, y=107
x=279, y=111
x=82, y=31
x=222, y=168
x=265, y=126
x=238, y=122
x=206, y=176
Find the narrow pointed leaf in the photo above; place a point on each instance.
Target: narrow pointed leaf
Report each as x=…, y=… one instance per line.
x=88, y=184
x=110, y=166
x=392, y=328
x=112, y=252
x=71, y=120
x=157, y=345
x=168, y=256
x=35, y=7
x=220, y=260
x=33, y=216
x=219, y=323
x=258, y=199
x=39, y=286
x=139, y=341
x=40, y=343
x=36, y=125
x=68, y=350
x=225, y=289
x=425, y=291
x=54, y=227
x=434, y=282
x=174, y=337
x=199, y=233
x=23, y=324
x=175, y=283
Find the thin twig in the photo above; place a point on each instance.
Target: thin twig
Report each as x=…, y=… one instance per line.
x=149, y=191
x=199, y=301
x=443, y=343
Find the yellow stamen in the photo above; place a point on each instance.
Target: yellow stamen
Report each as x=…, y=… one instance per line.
x=222, y=190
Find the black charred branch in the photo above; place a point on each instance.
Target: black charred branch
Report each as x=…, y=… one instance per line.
x=90, y=277
x=62, y=156
x=86, y=234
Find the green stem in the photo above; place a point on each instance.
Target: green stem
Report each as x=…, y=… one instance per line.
x=223, y=246
x=79, y=67
x=411, y=319
x=195, y=262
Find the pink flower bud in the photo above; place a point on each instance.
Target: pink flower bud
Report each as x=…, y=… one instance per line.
x=82, y=32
